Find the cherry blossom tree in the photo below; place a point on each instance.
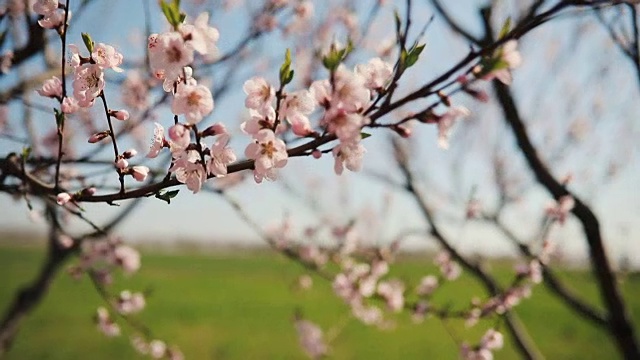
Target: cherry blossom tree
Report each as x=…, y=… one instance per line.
x=339, y=92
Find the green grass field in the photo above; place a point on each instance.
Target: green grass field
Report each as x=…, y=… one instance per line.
x=240, y=306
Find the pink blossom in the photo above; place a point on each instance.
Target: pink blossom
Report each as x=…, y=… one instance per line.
x=259, y=121
x=45, y=7
x=346, y=126
x=122, y=164
x=180, y=137
x=87, y=84
x=348, y=154
x=157, y=142
x=63, y=198
x=65, y=241
x=393, y=292
x=376, y=73
x=511, y=58
x=168, y=55
x=69, y=105
x=369, y=315
x=260, y=95
x=157, y=349
x=194, y=101
x=202, y=37
x=130, y=303
x=188, y=170
x=139, y=173
x=311, y=338
x=74, y=59
x=492, y=340
x=321, y=92
x=468, y=353
x=127, y=257
x=450, y=269
x=53, y=19
x=446, y=122
x=107, y=57
x=221, y=156
x=294, y=108
x=51, y=88
x=269, y=153
x=427, y=286
x=560, y=210
x=106, y=325
x=350, y=92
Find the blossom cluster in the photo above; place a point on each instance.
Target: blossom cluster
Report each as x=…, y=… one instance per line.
x=343, y=100
x=103, y=256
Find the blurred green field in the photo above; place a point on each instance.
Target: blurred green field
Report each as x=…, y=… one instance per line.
x=240, y=306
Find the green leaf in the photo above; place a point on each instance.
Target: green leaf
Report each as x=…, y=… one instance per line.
x=364, y=135
x=26, y=152
x=86, y=38
x=167, y=196
x=172, y=12
x=413, y=55
x=59, y=118
x=332, y=60
x=506, y=27
x=286, y=74
x=286, y=65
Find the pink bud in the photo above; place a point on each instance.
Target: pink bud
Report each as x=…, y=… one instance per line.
x=129, y=153
x=121, y=115
x=215, y=129
x=462, y=79
x=98, y=137
x=65, y=241
x=122, y=164
x=63, y=198
x=139, y=172
x=402, y=131
x=317, y=154
x=88, y=191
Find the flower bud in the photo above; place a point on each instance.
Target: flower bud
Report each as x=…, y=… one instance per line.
x=402, y=131
x=121, y=115
x=88, y=191
x=122, y=163
x=129, y=153
x=139, y=172
x=444, y=98
x=63, y=198
x=215, y=129
x=98, y=137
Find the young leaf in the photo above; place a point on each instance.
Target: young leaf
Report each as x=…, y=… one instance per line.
x=413, y=55
x=167, y=196
x=286, y=74
x=506, y=27
x=88, y=42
